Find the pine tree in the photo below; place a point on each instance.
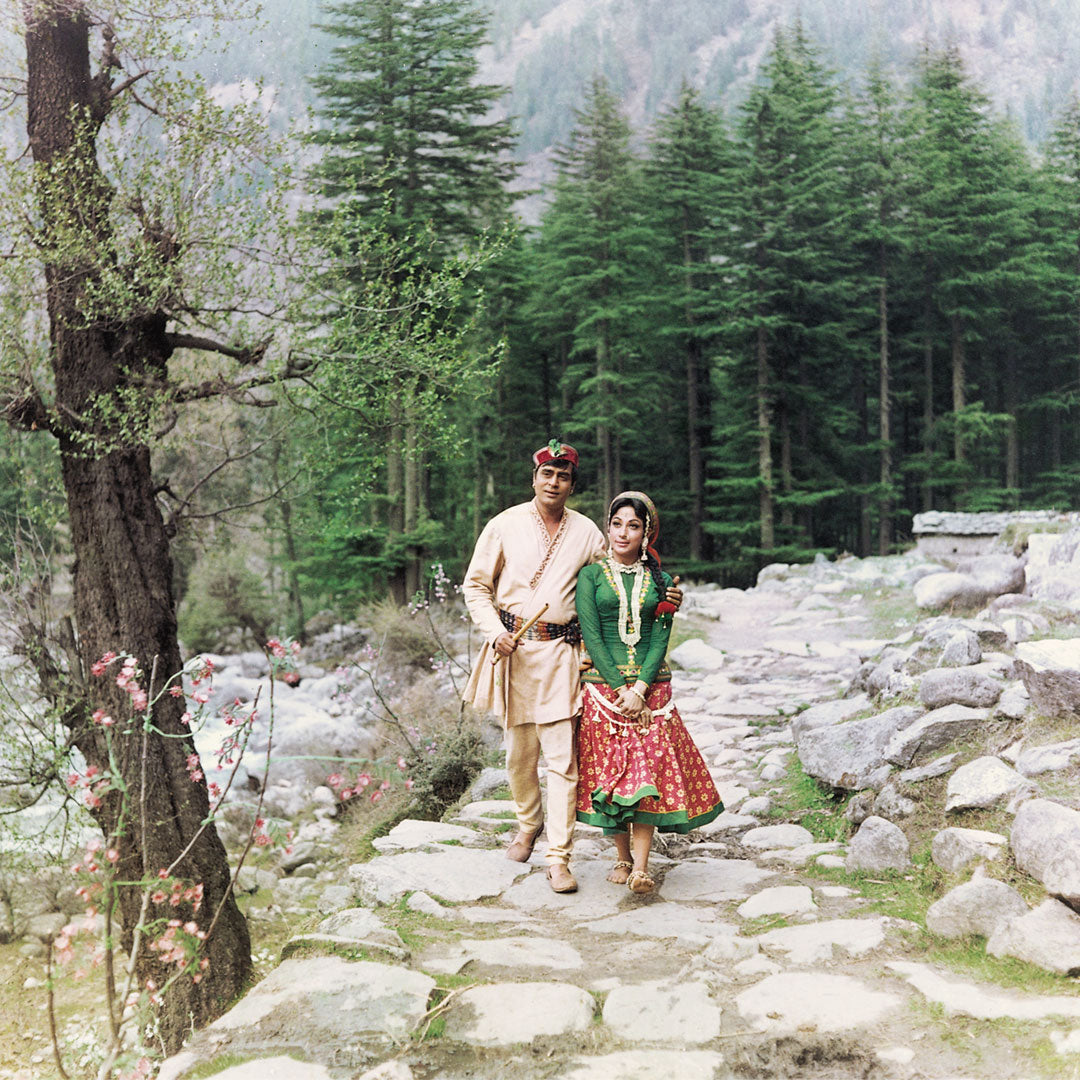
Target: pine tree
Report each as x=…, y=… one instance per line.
x=788, y=311
x=408, y=148
x=689, y=177
x=597, y=258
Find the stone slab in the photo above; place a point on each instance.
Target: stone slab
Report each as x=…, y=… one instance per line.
x=324, y=999
x=512, y=952
x=819, y=941
x=646, y=1065
x=275, y=1068
x=779, y=900
x=409, y=834
x=982, y=1003
x=481, y=1017
x=658, y=1012
x=689, y=926
x=595, y=896
x=800, y=1001
x=457, y=875
x=712, y=881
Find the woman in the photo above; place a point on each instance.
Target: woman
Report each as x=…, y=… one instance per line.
x=639, y=769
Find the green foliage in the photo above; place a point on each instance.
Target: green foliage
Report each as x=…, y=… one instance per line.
x=227, y=598
x=442, y=768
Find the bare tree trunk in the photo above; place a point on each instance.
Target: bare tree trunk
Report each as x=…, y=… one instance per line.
x=861, y=411
x=766, y=507
x=787, y=515
x=395, y=500
x=959, y=390
x=928, y=413
x=694, y=420
x=411, y=498
x=884, y=420
x=603, y=432
x=1012, y=430
x=296, y=596
x=122, y=573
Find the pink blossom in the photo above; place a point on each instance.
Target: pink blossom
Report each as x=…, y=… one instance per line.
x=402, y=764
x=262, y=840
x=409, y=784
x=159, y=896
x=112, y=855
x=176, y=691
x=196, y=775
x=185, y=718
x=376, y=796
x=335, y=780
x=139, y=700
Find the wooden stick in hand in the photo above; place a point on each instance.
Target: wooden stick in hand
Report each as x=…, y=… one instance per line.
x=517, y=636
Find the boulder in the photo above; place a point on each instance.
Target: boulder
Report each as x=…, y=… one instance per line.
x=941, y=590
x=995, y=575
x=1045, y=842
x=961, y=649
x=777, y=836
x=978, y=906
x=846, y=755
x=930, y=771
x=983, y=783
x=958, y=686
x=878, y=845
x=1050, y=670
x=952, y=849
x=1048, y=937
x=933, y=731
x=829, y=713
x=890, y=804
x=1035, y=760
x=697, y=655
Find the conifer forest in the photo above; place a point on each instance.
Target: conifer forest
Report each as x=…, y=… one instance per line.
x=795, y=322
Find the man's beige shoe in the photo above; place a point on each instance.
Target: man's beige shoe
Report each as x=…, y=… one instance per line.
x=560, y=879
x=521, y=847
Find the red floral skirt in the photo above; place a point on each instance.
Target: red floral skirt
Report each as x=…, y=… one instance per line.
x=654, y=775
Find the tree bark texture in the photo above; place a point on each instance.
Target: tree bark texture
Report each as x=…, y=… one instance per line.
x=884, y=418
x=122, y=574
x=766, y=506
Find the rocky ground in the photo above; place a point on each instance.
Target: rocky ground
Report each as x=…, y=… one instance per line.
x=891, y=891
x=911, y=930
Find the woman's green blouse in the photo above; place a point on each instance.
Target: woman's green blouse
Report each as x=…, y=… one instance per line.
x=598, y=613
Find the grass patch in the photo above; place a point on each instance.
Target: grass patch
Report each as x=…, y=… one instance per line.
x=800, y=798
x=968, y=957
x=218, y=1065
x=762, y=924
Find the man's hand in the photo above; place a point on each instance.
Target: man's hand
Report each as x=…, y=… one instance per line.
x=505, y=644
x=674, y=594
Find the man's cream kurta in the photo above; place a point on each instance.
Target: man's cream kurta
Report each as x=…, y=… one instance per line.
x=540, y=683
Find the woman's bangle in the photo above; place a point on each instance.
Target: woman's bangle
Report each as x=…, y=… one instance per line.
x=637, y=693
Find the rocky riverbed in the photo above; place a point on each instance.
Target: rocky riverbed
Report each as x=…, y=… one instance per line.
x=891, y=892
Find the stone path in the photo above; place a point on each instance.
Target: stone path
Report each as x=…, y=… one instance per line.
x=754, y=957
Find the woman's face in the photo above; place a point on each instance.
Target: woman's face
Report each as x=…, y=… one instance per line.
x=625, y=532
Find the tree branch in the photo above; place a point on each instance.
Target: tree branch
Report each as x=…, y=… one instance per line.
x=252, y=354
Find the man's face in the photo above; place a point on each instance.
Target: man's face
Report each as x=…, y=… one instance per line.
x=552, y=483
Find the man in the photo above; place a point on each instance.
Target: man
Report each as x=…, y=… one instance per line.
x=526, y=557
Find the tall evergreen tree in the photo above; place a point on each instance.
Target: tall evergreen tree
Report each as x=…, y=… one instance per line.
x=689, y=178
x=597, y=257
x=788, y=306
x=409, y=147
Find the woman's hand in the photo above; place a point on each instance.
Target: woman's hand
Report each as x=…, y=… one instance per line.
x=630, y=704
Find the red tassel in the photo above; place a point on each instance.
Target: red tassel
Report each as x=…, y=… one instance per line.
x=664, y=608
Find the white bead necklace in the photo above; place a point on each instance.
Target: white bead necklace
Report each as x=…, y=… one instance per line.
x=629, y=607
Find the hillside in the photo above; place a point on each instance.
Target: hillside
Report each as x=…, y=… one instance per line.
x=1024, y=53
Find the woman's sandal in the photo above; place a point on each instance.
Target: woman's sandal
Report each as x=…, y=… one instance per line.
x=622, y=864
x=639, y=882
